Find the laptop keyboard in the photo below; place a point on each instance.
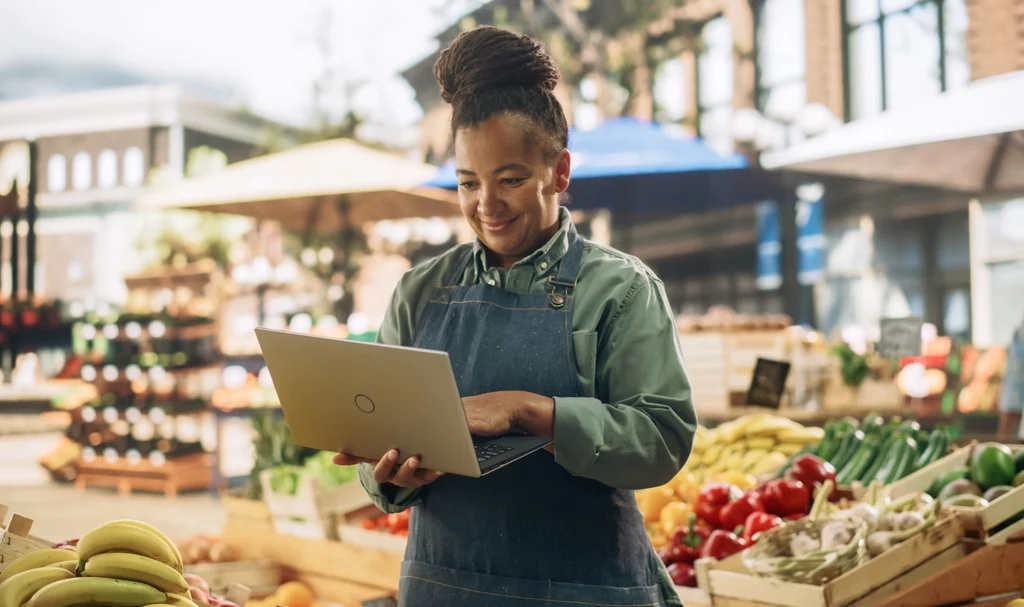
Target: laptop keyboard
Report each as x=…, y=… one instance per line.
x=487, y=451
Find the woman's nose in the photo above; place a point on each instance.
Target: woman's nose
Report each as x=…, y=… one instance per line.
x=490, y=201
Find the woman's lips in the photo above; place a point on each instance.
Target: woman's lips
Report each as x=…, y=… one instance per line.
x=495, y=227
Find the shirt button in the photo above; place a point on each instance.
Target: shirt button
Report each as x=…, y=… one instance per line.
x=491, y=282
x=543, y=265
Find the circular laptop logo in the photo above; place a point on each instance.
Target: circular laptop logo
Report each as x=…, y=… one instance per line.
x=365, y=404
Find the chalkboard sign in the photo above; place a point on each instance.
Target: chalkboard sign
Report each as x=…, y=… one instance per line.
x=768, y=383
x=900, y=337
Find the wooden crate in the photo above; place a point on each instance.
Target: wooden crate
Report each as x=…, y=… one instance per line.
x=262, y=577
x=701, y=595
x=191, y=473
x=312, y=511
x=976, y=521
x=16, y=538
x=732, y=584
x=350, y=531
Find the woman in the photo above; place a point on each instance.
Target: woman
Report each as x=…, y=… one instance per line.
x=547, y=334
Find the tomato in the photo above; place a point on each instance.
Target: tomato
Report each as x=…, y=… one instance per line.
x=368, y=523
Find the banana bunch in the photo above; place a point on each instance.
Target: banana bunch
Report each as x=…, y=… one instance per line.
x=752, y=444
x=119, y=564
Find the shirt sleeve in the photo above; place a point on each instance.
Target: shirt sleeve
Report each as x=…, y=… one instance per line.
x=396, y=330
x=639, y=430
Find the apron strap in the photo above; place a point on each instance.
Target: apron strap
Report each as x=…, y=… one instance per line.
x=454, y=277
x=563, y=284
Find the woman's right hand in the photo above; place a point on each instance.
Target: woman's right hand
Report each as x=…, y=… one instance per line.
x=387, y=469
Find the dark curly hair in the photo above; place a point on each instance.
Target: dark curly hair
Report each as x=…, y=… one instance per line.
x=489, y=71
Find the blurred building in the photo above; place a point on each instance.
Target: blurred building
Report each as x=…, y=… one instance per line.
x=98, y=151
x=763, y=75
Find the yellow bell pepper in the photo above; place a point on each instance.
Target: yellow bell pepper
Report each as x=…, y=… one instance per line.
x=674, y=516
x=653, y=501
x=658, y=539
x=687, y=486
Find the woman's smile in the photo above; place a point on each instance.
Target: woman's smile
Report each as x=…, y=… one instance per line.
x=497, y=227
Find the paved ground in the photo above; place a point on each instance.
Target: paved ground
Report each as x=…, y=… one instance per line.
x=62, y=512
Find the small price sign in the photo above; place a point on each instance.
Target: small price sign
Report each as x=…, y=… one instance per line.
x=768, y=383
x=900, y=337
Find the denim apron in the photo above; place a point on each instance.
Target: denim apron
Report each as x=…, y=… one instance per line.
x=531, y=533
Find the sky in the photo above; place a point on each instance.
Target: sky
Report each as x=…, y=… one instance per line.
x=264, y=51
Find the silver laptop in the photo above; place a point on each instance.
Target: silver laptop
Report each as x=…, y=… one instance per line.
x=365, y=399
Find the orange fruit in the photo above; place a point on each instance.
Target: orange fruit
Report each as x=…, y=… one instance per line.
x=294, y=594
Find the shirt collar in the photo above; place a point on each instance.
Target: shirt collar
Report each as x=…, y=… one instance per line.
x=545, y=258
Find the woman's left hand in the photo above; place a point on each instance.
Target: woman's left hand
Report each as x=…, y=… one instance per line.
x=495, y=413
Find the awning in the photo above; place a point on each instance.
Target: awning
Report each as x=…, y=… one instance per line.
x=320, y=186
x=970, y=140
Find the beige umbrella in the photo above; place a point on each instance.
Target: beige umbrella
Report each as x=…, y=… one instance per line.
x=320, y=187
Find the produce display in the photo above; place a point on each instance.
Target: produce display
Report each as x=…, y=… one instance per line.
x=874, y=450
x=206, y=549
x=123, y=563
x=833, y=540
x=992, y=471
x=289, y=594
x=395, y=524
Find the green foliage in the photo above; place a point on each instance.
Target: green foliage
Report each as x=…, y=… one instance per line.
x=855, y=367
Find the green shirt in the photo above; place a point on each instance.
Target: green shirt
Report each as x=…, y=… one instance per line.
x=634, y=426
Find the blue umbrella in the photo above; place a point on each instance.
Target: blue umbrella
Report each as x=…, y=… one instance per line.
x=629, y=164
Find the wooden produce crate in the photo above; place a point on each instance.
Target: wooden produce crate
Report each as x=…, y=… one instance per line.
x=976, y=521
x=262, y=577
x=191, y=473
x=16, y=539
x=743, y=348
x=351, y=531
x=311, y=512
x=731, y=584
x=701, y=595
x=704, y=355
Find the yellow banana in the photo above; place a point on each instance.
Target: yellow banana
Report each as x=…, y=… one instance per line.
x=734, y=461
x=802, y=436
x=771, y=463
x=97, y=591
x=121, y=537
x=788, y=448
x=35, y=560
x=20, y=588
x=756, y=443
x=712, y=454
x=160, y=534
x=771, y=426
x=751, y=458
x=180, y=600
x=71, y=566
x=135, y=568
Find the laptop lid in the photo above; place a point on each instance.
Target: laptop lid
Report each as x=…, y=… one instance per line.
x=365, y=399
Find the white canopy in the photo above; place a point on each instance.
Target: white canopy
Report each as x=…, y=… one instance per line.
x=320, y=186
x=970, y=139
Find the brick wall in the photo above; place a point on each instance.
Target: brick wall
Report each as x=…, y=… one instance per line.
x=824, y=52
x=995, y=40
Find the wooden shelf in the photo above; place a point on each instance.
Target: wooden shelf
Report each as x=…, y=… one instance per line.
x=194, y=472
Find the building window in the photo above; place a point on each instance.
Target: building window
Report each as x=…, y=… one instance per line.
x=900, y=51
x=107, y=169
x=57, y=173
x=781, y=62
x=715, y=85
x=81, y=171
x=134, y=167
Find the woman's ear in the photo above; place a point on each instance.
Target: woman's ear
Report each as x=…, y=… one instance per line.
x=562, y=169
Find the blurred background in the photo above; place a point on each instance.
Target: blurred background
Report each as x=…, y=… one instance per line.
x=812, y=179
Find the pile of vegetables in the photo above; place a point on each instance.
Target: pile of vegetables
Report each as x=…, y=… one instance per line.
x=992, y=471
x=832, y=539
x=876, y=450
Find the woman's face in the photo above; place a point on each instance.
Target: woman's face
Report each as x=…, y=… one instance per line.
x=507, y=191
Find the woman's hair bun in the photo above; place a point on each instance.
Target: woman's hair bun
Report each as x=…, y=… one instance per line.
x=490, y=58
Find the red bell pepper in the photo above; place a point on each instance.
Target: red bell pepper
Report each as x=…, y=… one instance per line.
x=723, y=544
x=713, y=497
x=735, y=513
x=811, y=470
x=795, y=516
x=689, y=541
x=682, y=574
x=757, y=523
x=783, y=497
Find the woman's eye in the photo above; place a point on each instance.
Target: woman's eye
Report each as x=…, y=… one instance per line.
x=467, y=184
x=512, y=180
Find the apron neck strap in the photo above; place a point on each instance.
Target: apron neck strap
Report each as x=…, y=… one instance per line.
x=569, y=267
x=455, y=276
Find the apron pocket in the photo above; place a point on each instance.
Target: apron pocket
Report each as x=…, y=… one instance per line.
x=424, y=585
x=585, y=348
